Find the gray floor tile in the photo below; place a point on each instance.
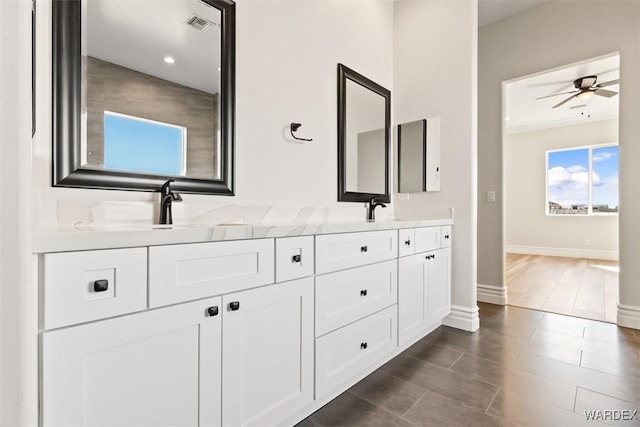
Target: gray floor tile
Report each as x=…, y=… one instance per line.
x=393, y=394
x=349, y=410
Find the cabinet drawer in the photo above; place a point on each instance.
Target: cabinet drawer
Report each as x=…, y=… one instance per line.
x=294, y=258
x=83, y=286
x=187, y=272
x=406, y=241
x=445, y=231
x=341, y=251
x=353, y=349
x=427, y=239
x=349, y=295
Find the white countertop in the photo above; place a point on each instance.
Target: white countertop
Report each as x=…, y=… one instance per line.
x=109, y=237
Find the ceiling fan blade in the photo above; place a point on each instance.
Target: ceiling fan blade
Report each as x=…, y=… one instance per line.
x=611, y=83
x=557, y=94
x=577, y=106
x=565, y=101
x=606, y=93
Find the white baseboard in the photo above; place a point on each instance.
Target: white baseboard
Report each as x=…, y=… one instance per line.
x=629, y=316
x=463, y=318
x=492, y=294
x=562, y=252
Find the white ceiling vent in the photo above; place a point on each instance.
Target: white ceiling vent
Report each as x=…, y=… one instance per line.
x=199, y=23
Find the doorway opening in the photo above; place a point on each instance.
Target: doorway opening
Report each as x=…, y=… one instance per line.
x=560, y=168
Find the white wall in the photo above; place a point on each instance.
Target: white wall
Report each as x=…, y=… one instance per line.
x=548, y=36
x=18, y=327
x=287, y=56
x=435, y=66
x=527, y=225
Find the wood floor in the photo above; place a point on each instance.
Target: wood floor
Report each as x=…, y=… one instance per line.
x=522, y=368
x=578, y=287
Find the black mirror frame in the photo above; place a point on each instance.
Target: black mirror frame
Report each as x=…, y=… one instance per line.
x=67, y=91
x=345, y=73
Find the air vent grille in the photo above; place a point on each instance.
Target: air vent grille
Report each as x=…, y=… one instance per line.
x=199, y=23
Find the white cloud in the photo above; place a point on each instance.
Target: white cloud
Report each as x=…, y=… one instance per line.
x=601, y=157
x=576, y=169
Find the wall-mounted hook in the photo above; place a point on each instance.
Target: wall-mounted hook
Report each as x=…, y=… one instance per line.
x=294, y=127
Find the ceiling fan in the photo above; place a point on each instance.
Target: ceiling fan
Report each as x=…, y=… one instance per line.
x=586, y=89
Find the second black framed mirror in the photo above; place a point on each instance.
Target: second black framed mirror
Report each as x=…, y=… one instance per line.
x=364, y=145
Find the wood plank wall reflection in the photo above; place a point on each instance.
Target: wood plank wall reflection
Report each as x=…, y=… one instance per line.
x=122, y=90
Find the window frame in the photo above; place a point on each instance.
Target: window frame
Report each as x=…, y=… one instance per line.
x=589, y=149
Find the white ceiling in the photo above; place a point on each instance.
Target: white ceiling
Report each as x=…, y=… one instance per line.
x=490, y=11
x=139, y=34
x=525, y=113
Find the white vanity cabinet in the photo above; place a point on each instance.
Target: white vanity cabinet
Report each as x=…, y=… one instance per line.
x=424, y=287
x=198, y=334
x=155, y=368
x=267, y=353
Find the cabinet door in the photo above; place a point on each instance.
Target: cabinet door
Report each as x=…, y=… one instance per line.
x=439, y=284
x=156, y=368
x=413, y=298
x=267, y=353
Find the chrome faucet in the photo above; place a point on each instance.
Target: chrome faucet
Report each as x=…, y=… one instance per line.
x=371, y=209
x=167, y=197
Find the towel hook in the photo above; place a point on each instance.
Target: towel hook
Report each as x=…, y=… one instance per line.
x=294, y=127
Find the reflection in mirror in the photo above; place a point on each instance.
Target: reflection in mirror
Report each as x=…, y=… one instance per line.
x=152, y=96
x=144, y=91
x=363, y=138
x=412, y=146
x=419, y=156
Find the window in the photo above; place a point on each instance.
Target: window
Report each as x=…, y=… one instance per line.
x=582, y=181
x=140, y=145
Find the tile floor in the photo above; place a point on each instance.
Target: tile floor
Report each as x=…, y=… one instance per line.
x=522, y=368
x=578, y=287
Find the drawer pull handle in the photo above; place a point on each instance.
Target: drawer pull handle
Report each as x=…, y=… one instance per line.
x=363, y=346
x=407, y=242
x=212, y=311
x=296, y=258
x=100, y=285
x=431, y=256
x=446, y=236
x=234, y=306
x=363, y=249
x=363, y=293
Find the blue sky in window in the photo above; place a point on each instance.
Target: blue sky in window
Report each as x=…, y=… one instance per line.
x=142, y=146
x=568, y=176
x=605, y=168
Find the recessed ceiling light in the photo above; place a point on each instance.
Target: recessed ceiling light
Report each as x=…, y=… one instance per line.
x=169, y=60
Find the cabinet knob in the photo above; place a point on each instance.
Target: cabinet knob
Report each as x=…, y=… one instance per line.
x=296, y=258
x=363, y=346
x=407, y=242
x=100, y=285
x=363, y=293
x=363, y=249
x=234, y=306
x=446, y=236
x=212, y=311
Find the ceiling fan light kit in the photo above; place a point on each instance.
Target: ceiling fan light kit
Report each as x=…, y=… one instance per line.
x=586, y=89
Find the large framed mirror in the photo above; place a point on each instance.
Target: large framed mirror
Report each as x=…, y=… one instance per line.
x=364, y=118
x=144, y=91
